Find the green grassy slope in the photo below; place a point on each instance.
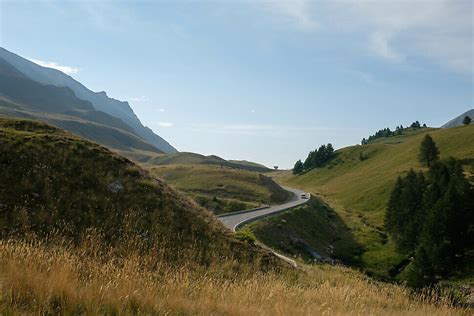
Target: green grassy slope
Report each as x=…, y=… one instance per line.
x=52, y=181
x=186, y=158
x=223, y=189
x=248, y=163
x=359, y=190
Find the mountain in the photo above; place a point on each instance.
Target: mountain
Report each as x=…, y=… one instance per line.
x=99, y=100
x=457, y=121
x=26, y=98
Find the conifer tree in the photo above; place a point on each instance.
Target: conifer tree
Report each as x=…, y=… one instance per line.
x=298, y=168
x=467, y=120
x=429, y=153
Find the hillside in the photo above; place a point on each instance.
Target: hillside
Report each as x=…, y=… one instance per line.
x=52, y=180
x=358, y=190
x=85, y=231
x=99, y=100
x=186, y=158
x=221, y=189
x=458, y=121
x=311, y=232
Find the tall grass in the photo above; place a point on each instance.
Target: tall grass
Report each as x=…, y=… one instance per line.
x=57, y=278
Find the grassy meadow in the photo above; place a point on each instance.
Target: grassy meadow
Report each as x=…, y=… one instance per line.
x=54, y=278
x=221, y=189
x=358, y=190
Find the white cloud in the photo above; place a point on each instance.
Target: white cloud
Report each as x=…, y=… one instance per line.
x=165, y=124
x=51, y=64
x=379, y=43
x=439, y=31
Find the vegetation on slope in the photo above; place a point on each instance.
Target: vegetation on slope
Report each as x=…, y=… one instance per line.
x=84, y=231
x=222, y=189
x=359, y=189
x=431, y=219
x=46, y=279
x=386, y=132
x=312, y=231
x=53, y=181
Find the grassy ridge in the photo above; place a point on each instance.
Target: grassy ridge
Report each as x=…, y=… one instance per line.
x=187, y=158
x=222, y=189
x=358, y=189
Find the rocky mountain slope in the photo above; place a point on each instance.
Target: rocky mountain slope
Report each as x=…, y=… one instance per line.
x=457, y=121
x=99, y=100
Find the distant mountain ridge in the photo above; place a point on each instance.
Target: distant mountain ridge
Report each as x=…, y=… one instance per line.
x=99, y=100
x=458, y=121
x=59, y=106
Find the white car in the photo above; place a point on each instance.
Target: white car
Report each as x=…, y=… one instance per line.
x=304, y=196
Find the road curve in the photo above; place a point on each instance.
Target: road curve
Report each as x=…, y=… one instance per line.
x=234, y=220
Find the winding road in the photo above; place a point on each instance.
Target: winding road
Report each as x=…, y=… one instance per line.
x=236, y=219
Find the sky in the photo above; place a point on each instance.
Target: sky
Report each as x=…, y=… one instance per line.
x=265, y=81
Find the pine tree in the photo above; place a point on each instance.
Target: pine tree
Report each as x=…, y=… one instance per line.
x=429, y=153
x=298, y=168
x=309, y=162
x=329, y=150
x=467, y=120
x=405, y=212
x=420, y=273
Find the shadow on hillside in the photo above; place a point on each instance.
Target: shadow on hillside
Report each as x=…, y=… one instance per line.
x=313, y=232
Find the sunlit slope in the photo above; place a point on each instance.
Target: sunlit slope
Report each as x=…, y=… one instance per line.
x=359, y=189
x=187, y=158
x=222, y=189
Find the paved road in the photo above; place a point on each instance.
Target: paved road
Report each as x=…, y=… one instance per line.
x=234, y=220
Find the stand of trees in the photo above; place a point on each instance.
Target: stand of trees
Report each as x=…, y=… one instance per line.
x=386, y=132
x=431, y=217
x=316, y=158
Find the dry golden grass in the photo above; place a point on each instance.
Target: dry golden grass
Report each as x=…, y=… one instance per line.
x=40, y=278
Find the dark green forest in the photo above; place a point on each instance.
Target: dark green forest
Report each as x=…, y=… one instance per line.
x=430, y=217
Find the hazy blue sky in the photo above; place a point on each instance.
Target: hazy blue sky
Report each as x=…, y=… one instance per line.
x=256, y=80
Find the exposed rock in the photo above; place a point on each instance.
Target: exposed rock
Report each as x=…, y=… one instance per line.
x=116, y=186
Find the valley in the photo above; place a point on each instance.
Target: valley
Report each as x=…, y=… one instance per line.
x=93, y=233
x=100, y=215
